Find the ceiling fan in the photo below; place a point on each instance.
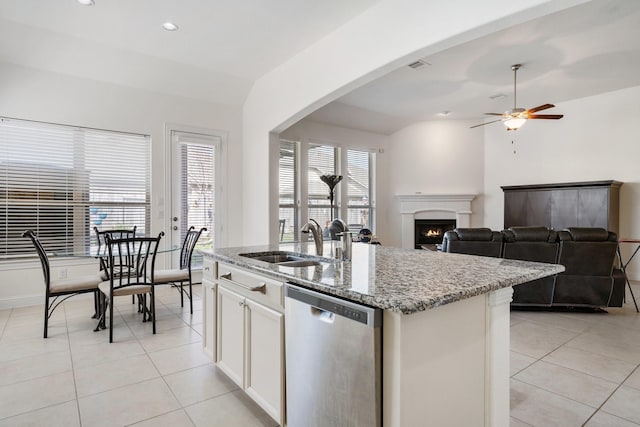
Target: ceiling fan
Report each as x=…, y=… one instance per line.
x=516, y=117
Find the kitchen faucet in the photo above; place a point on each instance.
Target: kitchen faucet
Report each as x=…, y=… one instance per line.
x=313, y=227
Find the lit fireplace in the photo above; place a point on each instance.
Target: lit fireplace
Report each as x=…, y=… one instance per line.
x=431, y=231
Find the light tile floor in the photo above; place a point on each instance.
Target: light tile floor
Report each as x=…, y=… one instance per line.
x=76, y=378
x=567, y=369
x=576, y=369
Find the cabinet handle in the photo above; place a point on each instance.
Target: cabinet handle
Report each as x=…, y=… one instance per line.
x=262, y=288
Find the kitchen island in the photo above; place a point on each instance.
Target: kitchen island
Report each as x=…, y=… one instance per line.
x=445, y=333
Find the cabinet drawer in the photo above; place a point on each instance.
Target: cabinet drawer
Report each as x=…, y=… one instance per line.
x=258, y=288
x=209, y=269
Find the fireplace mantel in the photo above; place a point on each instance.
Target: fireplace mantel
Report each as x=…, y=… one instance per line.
x=432, y=206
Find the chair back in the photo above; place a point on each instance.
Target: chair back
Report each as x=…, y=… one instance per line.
x=44, y=259
x=116, y=233
x=188, y=246
x=473, y=241
x=131, y=260
x=587, y=251
x=537, y=244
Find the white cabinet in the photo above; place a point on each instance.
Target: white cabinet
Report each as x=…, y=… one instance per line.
x=264, y=357
x=209, y=307
x=231, y=332
x=250, y=335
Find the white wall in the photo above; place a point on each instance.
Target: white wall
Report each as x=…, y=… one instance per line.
x=310, y=131
x=436, y=157
x=596, y=140
x=37, y=95
x=386, y=36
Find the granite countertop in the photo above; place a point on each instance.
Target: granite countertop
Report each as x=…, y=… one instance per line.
x=395, y=279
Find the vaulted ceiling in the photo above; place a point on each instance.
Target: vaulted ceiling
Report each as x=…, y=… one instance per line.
x=582, y=51
x=221, y=48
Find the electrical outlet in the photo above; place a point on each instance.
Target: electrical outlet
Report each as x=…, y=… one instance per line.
x=62, y=273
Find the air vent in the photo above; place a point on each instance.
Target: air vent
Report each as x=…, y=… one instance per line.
x=418, y=64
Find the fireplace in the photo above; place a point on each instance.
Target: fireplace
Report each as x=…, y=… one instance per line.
x=431, y=231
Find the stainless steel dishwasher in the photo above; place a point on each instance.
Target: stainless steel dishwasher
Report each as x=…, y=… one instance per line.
x=333, y=361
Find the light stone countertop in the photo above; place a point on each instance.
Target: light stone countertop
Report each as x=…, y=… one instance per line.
x=395, y=279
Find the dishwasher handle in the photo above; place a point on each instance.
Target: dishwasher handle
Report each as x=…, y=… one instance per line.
x=372, y=317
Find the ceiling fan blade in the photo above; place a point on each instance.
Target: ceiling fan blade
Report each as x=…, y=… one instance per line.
x=482, y=124
x=540, y=108
x=546, y=116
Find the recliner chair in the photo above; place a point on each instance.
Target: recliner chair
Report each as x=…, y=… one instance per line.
x=538, y=244
x=589, y=278
x=473, y=241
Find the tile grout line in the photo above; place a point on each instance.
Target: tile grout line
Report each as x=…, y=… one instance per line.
x=599, y=408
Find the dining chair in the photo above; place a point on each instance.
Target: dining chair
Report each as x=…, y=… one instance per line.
x=116, y=233
x=131, y=263
x=57, y=291
x=177, y=277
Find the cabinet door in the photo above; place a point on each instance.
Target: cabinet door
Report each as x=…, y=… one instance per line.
x=264, y=371
x=593, y=207
x=230, y=343
x=538, y=208
x=515, y=210
x=209, y=303
x=564, y=208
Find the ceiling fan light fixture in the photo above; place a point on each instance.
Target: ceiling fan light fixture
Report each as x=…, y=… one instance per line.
x=514, y=123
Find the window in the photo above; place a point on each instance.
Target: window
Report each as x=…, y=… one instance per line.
x=359, y=191
x=288, y=171
x=357, y=186
x=61, y=181
x=321, y=161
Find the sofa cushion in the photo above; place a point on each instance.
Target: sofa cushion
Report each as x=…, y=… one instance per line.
x=474, y=234
x=530, y=234
x=589, y=234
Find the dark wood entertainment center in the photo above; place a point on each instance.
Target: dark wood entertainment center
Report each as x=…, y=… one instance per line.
x=558, y=206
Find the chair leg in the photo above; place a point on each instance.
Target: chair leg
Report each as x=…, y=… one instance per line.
x=110, y=319
x=46, y=314
x=181, y=296
x=191, y=296
x=153, y=310
x=96, y=305
x=102, y=309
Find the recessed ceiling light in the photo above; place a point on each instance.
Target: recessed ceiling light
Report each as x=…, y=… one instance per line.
x=444, y=113
x=170, y=26
x=86, y=2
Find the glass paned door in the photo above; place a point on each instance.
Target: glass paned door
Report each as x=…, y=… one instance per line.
x=193, y=189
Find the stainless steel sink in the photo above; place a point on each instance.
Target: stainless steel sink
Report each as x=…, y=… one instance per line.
x=273, y=257
x=283, y=258
x=299, y=263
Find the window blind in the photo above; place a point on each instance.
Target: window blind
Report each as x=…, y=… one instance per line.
x=359, y=191
x=321, y=161
x=288, y=175
x=197, y=190
x=61, y=181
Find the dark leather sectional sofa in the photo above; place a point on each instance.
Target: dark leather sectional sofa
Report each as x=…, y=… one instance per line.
x=588, y=255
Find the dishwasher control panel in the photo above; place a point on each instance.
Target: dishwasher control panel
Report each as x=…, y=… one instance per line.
x=357, y=312
x=350, y=313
